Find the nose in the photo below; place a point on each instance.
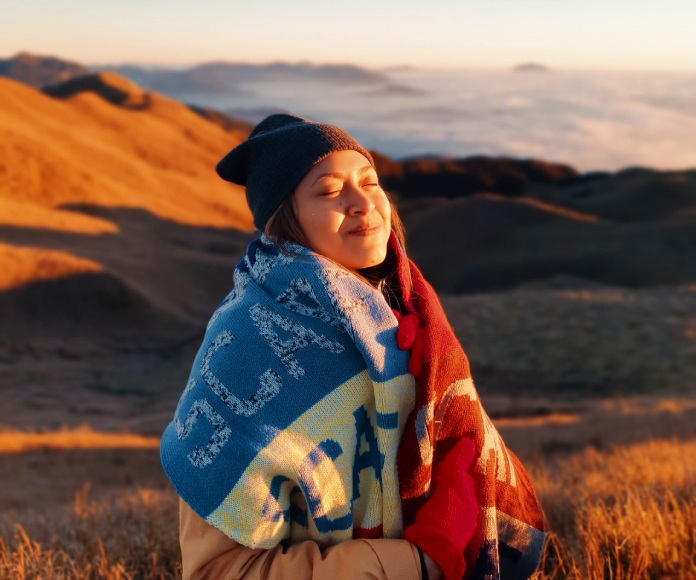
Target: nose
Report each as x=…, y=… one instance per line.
x=359, y=201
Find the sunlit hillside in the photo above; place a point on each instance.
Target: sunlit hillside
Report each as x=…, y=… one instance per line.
x=62, y=159
x=114, y=232
x=149, y=152
x=83, y=437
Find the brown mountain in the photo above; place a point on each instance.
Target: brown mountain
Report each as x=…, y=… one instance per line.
x=110, y=144
x=631, y=195
x=83, y=182
x=109, y=86
x=39, y=71
x=480, y=224
x=76, y=174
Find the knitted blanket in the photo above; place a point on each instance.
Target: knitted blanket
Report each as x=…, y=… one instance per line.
x=299, y=408
x=290, y=422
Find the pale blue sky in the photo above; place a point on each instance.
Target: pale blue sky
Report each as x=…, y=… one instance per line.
x=586, y=34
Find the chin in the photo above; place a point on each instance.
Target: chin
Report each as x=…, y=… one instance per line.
x=370, y=261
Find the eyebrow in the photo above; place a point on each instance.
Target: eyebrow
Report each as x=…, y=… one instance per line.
x=362, y=171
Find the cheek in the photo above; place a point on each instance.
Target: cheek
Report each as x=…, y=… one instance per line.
x=309, y=217
x=323, y=221
x=385, y=209
x=319, y=227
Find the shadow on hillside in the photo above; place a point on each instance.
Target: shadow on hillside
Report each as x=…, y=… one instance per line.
x=111, y=349
x=157, y=272
x=479, y=244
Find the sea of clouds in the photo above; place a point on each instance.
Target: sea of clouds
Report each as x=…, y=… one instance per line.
x=590, y=120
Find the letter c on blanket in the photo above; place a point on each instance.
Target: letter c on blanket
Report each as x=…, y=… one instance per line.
x=221, y=433
x=270, y=382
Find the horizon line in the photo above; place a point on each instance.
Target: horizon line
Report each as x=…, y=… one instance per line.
x=513, y=67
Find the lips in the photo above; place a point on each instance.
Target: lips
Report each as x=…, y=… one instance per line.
x=365, y=229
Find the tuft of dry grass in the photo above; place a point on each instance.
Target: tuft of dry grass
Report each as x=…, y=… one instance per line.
x=625, y=513
x=132, y=535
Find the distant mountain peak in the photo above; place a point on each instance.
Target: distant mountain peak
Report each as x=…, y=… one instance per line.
x=532, y=67
x=39, y=71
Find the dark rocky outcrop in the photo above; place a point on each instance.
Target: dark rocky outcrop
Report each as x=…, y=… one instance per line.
x=109, y=86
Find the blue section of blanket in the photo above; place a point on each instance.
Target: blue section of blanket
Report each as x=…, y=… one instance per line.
x=294, y=328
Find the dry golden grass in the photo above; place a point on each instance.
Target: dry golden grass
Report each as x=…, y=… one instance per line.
x=626, y=512
x=83, y=437
x=87, y=154
x=133, y=535
x=540, y=420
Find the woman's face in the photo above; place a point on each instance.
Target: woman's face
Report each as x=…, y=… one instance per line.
x=343, y=211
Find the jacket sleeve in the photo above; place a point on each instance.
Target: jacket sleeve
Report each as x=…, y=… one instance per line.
x=208, y=553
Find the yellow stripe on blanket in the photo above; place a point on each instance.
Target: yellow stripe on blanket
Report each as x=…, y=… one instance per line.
x=323, y=475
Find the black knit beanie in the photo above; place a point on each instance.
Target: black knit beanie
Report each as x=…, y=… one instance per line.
x=279, y=152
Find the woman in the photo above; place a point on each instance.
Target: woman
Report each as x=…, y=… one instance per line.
x=330, y=427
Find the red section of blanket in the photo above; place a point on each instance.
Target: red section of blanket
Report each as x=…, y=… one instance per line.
x=501, y=481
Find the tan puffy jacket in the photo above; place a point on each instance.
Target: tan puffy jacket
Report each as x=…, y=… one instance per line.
x=208, y=553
